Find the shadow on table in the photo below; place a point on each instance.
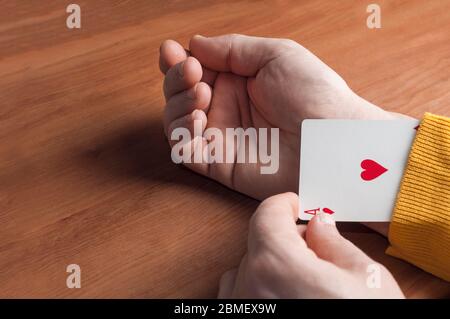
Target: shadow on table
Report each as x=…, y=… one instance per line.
x=140, y=151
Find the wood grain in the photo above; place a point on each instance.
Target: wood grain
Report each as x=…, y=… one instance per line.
x=85, y=171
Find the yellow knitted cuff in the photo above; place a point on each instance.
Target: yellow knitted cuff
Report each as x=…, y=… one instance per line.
x=420, y=228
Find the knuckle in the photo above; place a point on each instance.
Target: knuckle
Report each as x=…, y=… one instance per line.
x=361, y=263
x=233, y=36
x=360, y=266
x=256, y=221
x=275, y=201
x=289, y=44
x=290, y=196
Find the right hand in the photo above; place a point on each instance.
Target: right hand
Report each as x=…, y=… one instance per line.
x=285, y=260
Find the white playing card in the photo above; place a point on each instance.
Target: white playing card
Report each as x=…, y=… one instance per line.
x=352, y=169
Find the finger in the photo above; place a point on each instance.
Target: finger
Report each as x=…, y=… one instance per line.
x=301, y=229
x=182, y=76
x=185, y=136
x=187, y=124
x=209, y=76
x=181, y=104
x=239, y=54
x=226, y=285
x=274, y=221
x=325, y=240
x=170, y=53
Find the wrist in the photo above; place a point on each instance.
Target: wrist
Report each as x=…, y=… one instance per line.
x=367, y=110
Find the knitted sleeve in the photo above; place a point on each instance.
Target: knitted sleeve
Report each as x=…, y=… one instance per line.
x=420, y=228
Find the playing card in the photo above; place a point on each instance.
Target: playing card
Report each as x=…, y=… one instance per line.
x=352, y=169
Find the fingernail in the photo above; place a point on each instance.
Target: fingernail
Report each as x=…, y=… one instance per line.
x=199, y=36
x=325, y=218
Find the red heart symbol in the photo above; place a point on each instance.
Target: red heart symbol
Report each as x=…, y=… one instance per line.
x=371, y=169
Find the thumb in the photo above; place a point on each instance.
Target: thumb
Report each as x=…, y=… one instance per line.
x=240, y=54
x=325, y=240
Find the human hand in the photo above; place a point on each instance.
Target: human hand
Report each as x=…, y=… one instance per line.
x=285, y=260
x=239, y=81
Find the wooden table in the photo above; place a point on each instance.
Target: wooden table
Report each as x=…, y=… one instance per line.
x=85, y=171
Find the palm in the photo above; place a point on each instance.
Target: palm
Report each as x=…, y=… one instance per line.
x=231, y=107
x=268, y=102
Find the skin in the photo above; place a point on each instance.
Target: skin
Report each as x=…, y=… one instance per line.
x=235, y=81
x=289, y=261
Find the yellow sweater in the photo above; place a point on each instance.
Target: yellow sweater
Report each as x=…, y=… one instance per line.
x=420, y=228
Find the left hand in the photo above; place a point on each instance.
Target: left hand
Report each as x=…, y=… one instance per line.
x=237, y=81
x=285, y=260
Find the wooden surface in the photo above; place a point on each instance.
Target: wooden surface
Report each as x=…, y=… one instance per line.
x=85, y=171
